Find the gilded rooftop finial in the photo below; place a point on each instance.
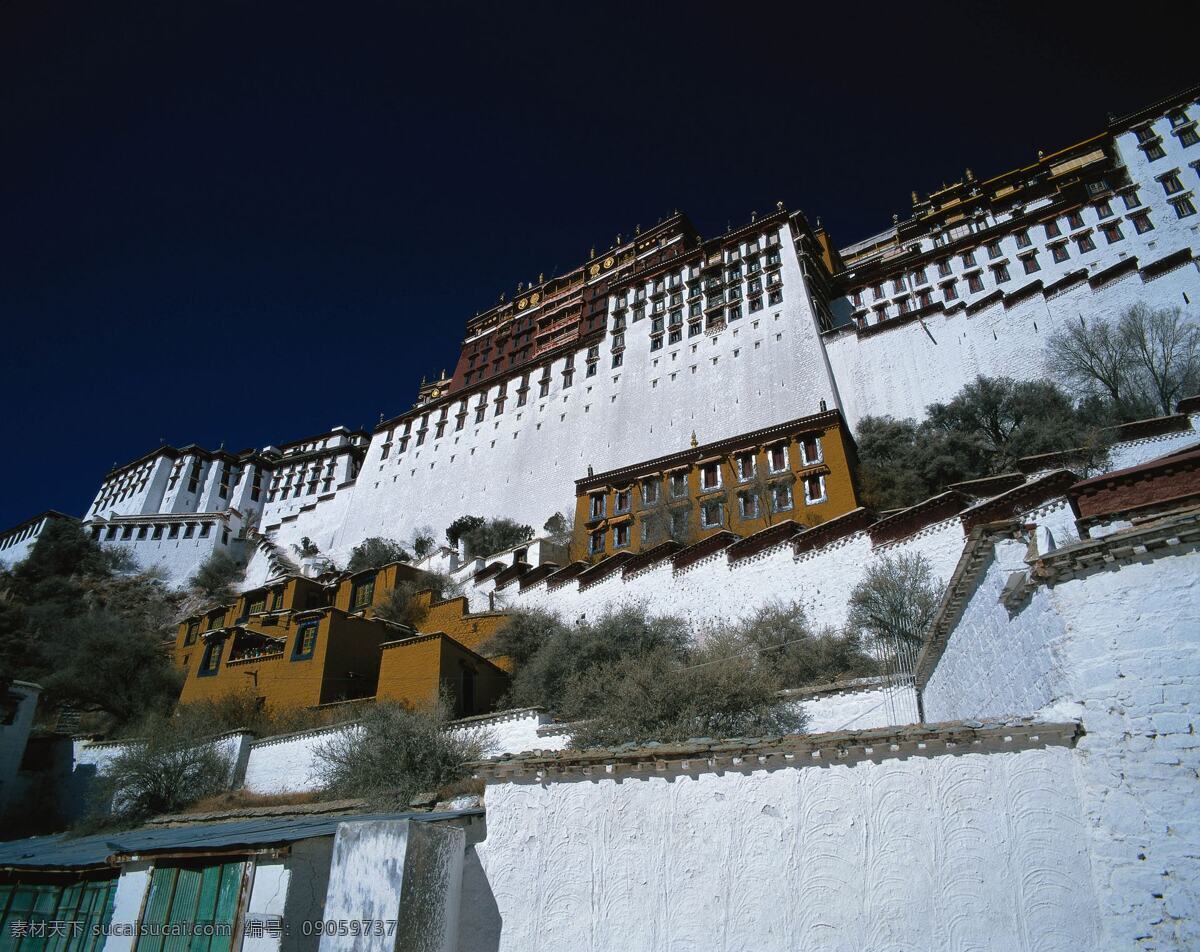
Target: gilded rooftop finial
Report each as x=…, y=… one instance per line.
x=694, y=441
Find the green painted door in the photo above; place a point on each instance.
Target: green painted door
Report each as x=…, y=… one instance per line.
x=45, y=917
x=192, y=908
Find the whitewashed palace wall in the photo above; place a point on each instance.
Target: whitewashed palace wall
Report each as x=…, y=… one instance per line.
x=957, y=851
x=763, y=369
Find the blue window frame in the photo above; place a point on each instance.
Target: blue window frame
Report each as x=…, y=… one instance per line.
x=306, y=641
x=210, y=663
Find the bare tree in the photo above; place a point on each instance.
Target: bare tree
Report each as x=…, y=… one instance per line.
x=674, y=524
x=1164, y=345
x=893, y=605
x=393, y=753
x=1142, y=363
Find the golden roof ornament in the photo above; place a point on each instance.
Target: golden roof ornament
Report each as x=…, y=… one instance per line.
x=970, y=175
x=779, y=206
x=915, y=198
x=695, y=442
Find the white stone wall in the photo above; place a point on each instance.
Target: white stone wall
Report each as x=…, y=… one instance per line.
x=763, y=369
x=1136, y=452
x=900, y=371
x=179, y=559
x=976, y=851
x=289, y=764
x=700, y=593
x=1119, y=648
x=861, y=709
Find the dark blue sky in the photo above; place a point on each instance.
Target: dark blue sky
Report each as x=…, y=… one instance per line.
x=248, y=222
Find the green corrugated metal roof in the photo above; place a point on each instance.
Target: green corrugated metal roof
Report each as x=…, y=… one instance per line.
x=62, y=852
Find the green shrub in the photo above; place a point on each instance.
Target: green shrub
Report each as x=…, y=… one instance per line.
x=548, y=654
x=482, y=537
x=783, y=640
x=895, y=602
x=218, y=576
x=375, y=552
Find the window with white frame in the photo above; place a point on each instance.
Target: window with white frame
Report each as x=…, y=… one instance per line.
x=781, y=497
x=651, y=490
x=596, y=542
x=712, y=514
x=748, y=505
x=679, y=486
x=710, y=476
x=778, y=456
x=624, y=501
x=810, y=450
x=599, y=502
x=621, y=536
x=814, y=490
x=747, y=465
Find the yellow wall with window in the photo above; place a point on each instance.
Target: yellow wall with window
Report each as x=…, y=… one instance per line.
x=803, y=471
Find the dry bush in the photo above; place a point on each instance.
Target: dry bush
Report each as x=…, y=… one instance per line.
x=392, y=753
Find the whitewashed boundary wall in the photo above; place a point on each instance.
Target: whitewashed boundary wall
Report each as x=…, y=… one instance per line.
x=915, y=850
x=1113, y=641
x=90, y=758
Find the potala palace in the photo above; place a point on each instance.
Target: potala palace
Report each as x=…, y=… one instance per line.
x=1030, y=784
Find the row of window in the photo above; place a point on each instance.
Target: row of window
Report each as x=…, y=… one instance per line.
x=228, y=477
x=711, y=477
x=156, y=532
x=304, y=646
x=736, y=266
x=1109, y=226
x=292, y=484
x=712, y=514
x=10, y=540
x=1150, y=142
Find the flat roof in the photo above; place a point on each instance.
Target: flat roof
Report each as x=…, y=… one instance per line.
x=61, y=851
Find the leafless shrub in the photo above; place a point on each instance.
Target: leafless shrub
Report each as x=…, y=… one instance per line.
x=392, y=753
x=164, y=772
x=402, y=605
